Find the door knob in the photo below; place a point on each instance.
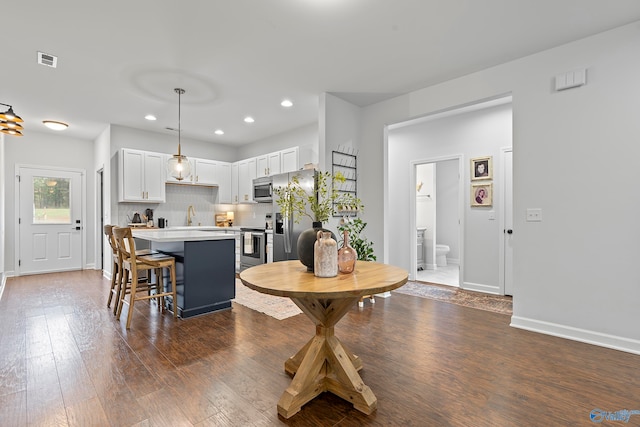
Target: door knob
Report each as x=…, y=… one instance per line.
x=509, y=231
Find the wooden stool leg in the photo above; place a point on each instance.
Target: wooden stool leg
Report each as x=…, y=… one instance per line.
x=132, y=295
x=160, y=288
x=174, y=286
x=113, y=284
x=118, y=289
x=124, y=279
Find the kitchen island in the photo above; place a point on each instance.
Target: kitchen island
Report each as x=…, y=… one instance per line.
x=205, y=267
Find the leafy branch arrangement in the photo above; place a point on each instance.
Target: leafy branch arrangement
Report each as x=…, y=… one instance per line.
x=294, y=199
x=361, y=244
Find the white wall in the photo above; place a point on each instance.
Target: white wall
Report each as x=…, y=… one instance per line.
x=568, y=281
x=2, y=214
x=340, y=130
x=45, y=149
x=478, y=133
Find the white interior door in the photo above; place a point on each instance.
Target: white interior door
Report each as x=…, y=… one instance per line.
x=508, y=223
x=50, y=220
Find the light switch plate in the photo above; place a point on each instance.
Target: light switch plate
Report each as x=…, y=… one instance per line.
x=534, y=214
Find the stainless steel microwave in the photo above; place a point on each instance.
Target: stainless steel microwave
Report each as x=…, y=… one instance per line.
x=262, y=190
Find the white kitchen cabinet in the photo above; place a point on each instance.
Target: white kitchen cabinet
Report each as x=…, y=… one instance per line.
x=234, y=182
x=205, y=172
x=223, y=176
x=289, y=160
x=202, y=172
x=277, y=162
x=142, y=176
x=246, y=175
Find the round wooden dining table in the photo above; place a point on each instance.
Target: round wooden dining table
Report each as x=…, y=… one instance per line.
x=324, y=364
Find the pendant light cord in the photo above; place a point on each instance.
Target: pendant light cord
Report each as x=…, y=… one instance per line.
x=180, y=92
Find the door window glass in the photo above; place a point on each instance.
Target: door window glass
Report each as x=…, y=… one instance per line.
x=51, y=200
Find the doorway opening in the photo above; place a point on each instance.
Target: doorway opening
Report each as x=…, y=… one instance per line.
x=437, y=213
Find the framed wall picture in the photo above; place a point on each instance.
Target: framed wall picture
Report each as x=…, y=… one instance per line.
x=482, y=194
x=481, y=168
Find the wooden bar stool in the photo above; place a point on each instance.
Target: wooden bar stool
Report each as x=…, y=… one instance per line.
x=115, y=269
x=132, y=264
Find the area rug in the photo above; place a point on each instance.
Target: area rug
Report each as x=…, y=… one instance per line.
x=277, y=307
x=494, y=303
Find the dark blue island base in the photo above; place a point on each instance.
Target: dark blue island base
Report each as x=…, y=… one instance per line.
x=205, y=272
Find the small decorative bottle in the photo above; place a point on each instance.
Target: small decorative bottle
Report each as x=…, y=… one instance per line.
x=347, y=256
x=325, y=255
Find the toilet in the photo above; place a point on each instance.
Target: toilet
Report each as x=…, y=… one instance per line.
x=441, y=255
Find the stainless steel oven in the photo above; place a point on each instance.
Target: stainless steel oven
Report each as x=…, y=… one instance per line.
x=253, y=247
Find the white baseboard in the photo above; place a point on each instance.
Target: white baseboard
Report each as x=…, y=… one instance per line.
x=478, y=287
x=90, y=267
x=431, y=266
x=454, y=261
x=4, y=281
x=577, y=334
x=106, y=274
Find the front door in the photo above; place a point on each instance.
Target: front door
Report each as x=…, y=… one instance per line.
x=50, y=220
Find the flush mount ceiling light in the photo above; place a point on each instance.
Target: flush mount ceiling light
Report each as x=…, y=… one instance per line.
x=150, y=117
x=219, y=132
x=178, y=165
x=52, y=124
x=286, y=103
x=10, y=122
x=249, y=119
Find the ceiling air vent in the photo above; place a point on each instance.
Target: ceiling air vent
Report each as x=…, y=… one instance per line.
x=48, y=60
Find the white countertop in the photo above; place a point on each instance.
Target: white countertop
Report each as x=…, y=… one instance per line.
x=202, y=227
x=179, y=234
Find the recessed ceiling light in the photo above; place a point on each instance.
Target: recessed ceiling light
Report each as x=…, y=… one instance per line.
x=150, y=117
x=249, y=119
x=51, y=124
x=286, y=103
x=219, y=132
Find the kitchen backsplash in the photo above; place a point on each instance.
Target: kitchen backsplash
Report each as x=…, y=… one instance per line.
x=180, y=197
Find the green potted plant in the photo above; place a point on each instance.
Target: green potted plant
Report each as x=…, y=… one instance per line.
x=297, y=202
x=354, y=227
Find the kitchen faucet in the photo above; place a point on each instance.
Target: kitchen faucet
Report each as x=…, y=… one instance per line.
x=190, y=212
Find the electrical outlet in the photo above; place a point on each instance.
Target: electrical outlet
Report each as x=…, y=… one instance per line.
x=534, y=215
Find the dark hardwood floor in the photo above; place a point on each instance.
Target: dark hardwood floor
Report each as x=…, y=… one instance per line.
x=65, y=360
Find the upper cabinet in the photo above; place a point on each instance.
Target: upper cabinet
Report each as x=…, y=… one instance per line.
x=223, y=176
x=235, y=172
x=289, y=160
x=277, y=162
x=142, y=176
x=246, y=175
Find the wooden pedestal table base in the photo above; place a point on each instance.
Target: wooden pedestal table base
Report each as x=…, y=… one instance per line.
x=323, y=364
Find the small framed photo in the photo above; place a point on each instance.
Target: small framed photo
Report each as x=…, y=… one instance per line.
x=481, y=168
x=482, y=194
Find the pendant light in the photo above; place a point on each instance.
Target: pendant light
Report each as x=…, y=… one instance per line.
x=10, y=122
x=179, y=166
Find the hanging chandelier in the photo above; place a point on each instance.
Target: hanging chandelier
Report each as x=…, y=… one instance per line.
x=10, y=122
x=178, y=165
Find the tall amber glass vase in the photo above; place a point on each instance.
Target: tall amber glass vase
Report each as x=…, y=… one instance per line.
x=347, y=256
